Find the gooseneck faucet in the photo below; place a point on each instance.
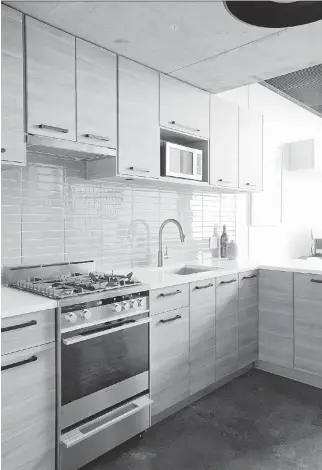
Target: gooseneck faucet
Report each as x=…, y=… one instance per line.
x=182, y=237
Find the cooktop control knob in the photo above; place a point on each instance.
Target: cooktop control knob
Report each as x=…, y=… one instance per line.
x=117, y=307
x=126, y=305
x=86, y=314
x=139, y=302
x=134, y=303
x=70, y=317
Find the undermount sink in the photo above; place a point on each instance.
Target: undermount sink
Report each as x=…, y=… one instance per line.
x=186, y=270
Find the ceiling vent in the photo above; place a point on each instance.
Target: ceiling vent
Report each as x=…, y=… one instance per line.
x=304, y=87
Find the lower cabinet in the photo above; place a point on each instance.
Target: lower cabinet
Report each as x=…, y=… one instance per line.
x=308, y=323
x=276, y=319
x=226, y=326
x=248, y=318
x=169, y=339
x=202, y=334
x=28, y=409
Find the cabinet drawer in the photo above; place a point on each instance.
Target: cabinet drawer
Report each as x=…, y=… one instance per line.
x=169, y=298
x=308, y=287
x=28, y=392
x=25, y=331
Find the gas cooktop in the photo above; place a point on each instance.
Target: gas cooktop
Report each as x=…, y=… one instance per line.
x=75, y=284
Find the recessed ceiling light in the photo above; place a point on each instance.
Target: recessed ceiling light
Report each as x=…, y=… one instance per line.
x=278, y=14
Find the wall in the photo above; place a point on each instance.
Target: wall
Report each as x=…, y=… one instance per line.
x=50, y=213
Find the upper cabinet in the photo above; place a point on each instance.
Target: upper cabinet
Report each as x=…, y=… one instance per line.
x=12, y=99
x=223, y=143
x=139, y=135
x=51, y=93
x=183, y=107
x=96, y=95
x=250, y=150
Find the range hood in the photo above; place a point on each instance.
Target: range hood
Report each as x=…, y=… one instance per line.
x=67, y=149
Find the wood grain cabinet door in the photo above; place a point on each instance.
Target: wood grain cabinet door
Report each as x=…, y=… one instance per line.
x=223, y=143
x=169, y=358
x=250, y=150
x=28, y=409
x=96, y=95
x=51, y=88
x=226, y=325
x=276, y=318
x=12, y=100
x=139, y=134
x=183, y=107
x=202, y=334
x=308, y=323
x=248, y=318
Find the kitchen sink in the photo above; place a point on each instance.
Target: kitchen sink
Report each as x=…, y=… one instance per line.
x=186, y=270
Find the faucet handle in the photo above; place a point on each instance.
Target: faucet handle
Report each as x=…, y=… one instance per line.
x=166, y=256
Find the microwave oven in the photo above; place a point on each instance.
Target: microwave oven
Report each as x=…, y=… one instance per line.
x=178, y=161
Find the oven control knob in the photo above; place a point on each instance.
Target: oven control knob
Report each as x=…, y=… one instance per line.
x=86, y=314
x=70, y=317
x=126, y=305
x=134, y=303
x=139, y=302
x=117, y=307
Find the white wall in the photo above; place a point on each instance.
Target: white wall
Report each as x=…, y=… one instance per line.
x=282, y=216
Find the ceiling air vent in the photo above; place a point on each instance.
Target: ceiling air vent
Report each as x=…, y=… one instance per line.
x=304, y=87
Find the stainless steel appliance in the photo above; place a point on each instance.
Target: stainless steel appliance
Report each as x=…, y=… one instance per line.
x=181, y=162
x=102, y=357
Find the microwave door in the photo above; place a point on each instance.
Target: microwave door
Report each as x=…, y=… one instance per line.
x=179, y=161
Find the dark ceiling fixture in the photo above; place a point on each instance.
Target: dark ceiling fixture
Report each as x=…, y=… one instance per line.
x=278, y=14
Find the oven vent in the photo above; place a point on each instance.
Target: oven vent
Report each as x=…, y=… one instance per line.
x=304, y=87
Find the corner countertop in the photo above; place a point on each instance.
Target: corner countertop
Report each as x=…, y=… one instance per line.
x=309, y=266
x=15, y=302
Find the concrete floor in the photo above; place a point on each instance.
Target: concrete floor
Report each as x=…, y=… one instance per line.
x=257, y=422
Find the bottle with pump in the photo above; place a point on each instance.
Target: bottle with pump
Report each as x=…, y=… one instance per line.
x=214, y=243
x=223, y=243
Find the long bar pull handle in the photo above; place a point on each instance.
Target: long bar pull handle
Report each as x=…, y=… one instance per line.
x=175, y=123
x=168, y=294
x=19, y=363
x=97, y=137
x=317, y=281
x=251, y=185
x=228, y=282
x=224, y=181
x=3, y=150
x=171, y=319
x=249, y=277
x=204, y=287
x=19, y=326
x=141, y=170
x=53, y=128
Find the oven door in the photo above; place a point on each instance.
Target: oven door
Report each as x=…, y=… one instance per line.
x=103, y=365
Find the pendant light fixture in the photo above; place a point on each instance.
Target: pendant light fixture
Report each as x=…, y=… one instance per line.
x=278, y=14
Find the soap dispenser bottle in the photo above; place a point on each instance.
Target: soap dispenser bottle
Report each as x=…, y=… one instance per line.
x=214, y=243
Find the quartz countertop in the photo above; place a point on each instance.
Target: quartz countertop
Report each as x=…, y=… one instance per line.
x=309, y=266
x=15, y=302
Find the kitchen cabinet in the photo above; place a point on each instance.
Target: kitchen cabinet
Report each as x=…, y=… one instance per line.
x=28, y=409
x=308, y=323
x=183, y=107
x=169, y=363
x=12, y=91
x=226, y=325
x=96, y=95
x=223, y=143
x=50, y=70
x=139, y=134
x=276, y=323
x=250, y=150
x=248, y=318
x=202, y=334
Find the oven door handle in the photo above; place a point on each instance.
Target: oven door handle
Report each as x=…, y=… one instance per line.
x=79, y=434
x=80, y=338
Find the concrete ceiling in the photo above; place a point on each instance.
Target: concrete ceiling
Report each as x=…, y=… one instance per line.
x=196, y=41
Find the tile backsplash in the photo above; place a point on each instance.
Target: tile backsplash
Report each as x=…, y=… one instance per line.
x=50, y=213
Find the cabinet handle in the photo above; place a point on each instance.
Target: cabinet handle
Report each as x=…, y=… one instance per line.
x=317, y=281
x=251, y=185
x=228, y=282
x=3, y=150
x=19, y=326
x=249, y=277
x=184, y=126
x=142, y=170
x=171, y=319
x=168, y=294
x=54, y=128
x=223, y=181
x=19, y=363
x=204, y=287
x=97, y=137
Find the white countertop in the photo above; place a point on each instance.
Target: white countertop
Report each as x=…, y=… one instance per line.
x=15, y=302
x=310, y=266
